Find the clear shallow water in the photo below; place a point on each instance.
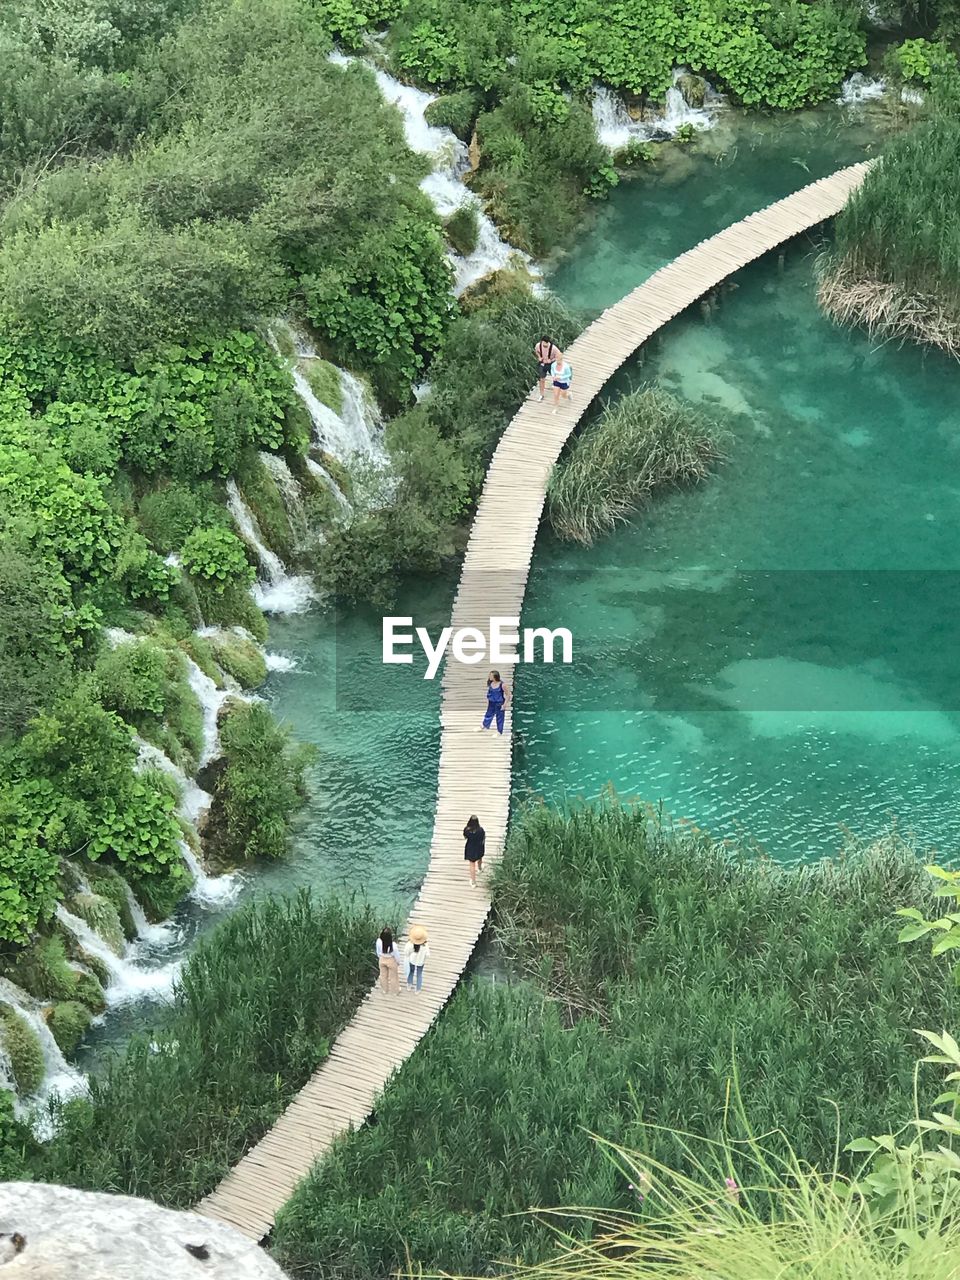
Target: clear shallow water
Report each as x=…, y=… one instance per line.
x=770, y=655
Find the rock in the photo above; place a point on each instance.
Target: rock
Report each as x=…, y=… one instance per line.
x=693, y=89
x=57, y=1233
x=473, y=151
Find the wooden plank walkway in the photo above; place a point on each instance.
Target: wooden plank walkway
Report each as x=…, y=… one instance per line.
x=474, y=772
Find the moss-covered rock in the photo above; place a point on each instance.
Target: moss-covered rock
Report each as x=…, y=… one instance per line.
x=68, y=1022
x=463, y=229
x=262, y=495
x=200, y=650
x=109, y=884
x=693, y=89
x=233, y=606
x=102, y=917
x=324, y=380
x=22, y=1046
x=456, y=111
x=240, y=656
x=42, y=970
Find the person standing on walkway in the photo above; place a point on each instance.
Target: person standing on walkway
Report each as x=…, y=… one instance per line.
x=561, y=371
x=389, y=967
x=497, y=697
x=546, y=351
x=475, y=837
x=416, y=952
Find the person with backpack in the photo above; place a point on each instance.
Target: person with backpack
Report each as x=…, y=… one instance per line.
x=546, y=351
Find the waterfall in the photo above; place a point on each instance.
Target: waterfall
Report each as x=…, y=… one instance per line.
x=858, y=89
x=280, y=592
x=615, y=127
x=286, y=482
x=356, y=432
x=210, y=891
x=324, y=476
x=194, y=801
x=60, y=1078
x=444, y=186
x=125, y=981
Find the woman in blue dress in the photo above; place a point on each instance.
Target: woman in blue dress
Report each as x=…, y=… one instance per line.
x=497, y=696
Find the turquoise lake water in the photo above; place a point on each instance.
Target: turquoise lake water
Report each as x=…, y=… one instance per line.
x=769, y=655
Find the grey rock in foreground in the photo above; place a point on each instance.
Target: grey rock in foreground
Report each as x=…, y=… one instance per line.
x=56, y=1233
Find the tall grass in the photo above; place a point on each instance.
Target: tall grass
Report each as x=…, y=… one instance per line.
x=750, y=1213
x=255, y=1010
x=902, y=228
x=653, y=962
x=645, y=441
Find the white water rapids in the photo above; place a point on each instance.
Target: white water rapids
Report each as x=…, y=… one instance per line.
x=616, y=127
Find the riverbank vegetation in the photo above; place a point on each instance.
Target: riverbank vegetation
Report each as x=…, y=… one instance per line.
x=894, y=267
x=254, y=1013
x=655, y=977
x=642, y=443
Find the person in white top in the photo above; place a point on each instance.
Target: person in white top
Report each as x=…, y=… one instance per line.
x=415, y=953
x=389, y=967
x=561, y=372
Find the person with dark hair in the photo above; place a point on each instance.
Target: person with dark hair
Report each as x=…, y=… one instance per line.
x=475, y=837
x=546, y=351
x=497, y=697
x=389, y=967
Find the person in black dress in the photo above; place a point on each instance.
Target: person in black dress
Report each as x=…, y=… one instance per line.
x=475, y=837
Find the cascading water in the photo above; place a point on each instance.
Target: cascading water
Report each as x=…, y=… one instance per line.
x=126, y=982
x=278, y=591
x=286, y=482
x=280, y=662
x=323, y=475
x=444, y=186
x=615, y=126
x=60, y=1079
x=194, y=801
x=858, y=89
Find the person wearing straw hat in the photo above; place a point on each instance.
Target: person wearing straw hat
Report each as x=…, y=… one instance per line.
x=415, y=953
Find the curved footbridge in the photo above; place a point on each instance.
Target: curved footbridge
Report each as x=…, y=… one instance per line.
x=474, y=774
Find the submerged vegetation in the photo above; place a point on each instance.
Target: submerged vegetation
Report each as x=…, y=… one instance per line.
x=648, y=966
x=641, y=443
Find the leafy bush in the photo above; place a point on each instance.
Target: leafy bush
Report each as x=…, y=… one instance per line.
x=641, y=443
x=664, y=959
x=132, y=679
x=167, y=515
x=217, y=557
x=634, y=153
x=259, y=786
x=255, y=1009
x=917, y=62
x=456, y=111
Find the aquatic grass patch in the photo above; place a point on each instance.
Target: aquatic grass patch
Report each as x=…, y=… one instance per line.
x=655, y=967
x=895, y=267
x=254, y=1013
x=644, y=442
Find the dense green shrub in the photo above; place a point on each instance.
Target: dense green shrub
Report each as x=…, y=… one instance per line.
x=663, y=960
x=643, y=442
x=218, y=557
x=456, y=111
x=255, y=1009
x=132, y=679
x=69, y=1021
x=258, y=788
x=168, y=514
x=918, y=62
x=22, y=1046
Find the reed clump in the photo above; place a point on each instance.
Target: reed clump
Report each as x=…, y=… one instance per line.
x=646, y=966
x=254, y=1013
x=644, y=442
x=895, y=267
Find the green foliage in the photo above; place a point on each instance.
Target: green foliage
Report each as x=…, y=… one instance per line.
x=167, y=515
x=18, y=1146
x=255, y=1009
x=348, y=21
x=132, y=679
x=259, y=787
x=69, y=1021
x=456, y=111
x=22, y=1046
x=30, y=838
x=462, y=229
x=324, y=380
x=107, y=883
x=642, y=443
x=43, y=970
x=35, y=645
x=918, y=62
x=901, y=227
x=218, y=557
x=662, y=959
x=240, y=657
x=102, y=917
x=634, y=153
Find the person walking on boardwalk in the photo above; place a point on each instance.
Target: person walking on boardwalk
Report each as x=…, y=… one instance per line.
x=475, y=837
x=389, y=963
x=497, y=697
x=415, y=953
x=546, y=351
x=561, y=372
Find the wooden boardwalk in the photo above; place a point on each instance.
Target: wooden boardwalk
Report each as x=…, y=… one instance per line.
x=474, y=772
